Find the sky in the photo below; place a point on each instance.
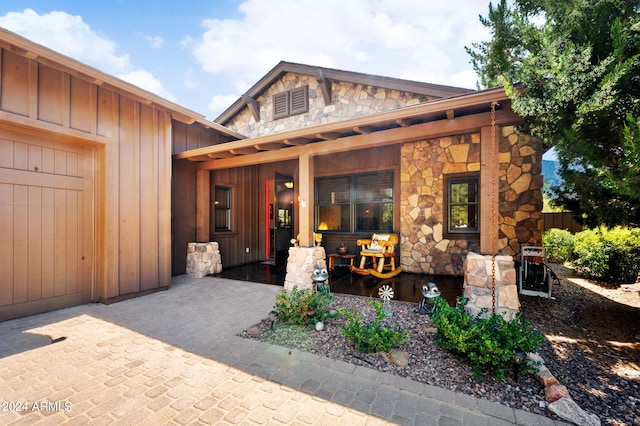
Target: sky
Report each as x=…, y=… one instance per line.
x=204, y=55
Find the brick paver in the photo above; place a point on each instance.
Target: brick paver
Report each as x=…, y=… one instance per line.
x=173, y=357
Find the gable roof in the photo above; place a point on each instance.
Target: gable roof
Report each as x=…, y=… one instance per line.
x=324, y=74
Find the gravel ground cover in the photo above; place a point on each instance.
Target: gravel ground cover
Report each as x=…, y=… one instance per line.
x=591, y=346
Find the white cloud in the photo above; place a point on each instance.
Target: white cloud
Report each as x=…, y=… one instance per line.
x=147, y=81
x=219, y=103
x=69, y=35
x=154, y=42
x=398, y=38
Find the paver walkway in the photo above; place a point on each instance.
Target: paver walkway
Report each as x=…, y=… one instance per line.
x=173, y=357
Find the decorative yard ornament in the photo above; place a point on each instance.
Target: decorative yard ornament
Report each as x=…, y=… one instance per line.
x=386, y=294
x=320, y=278
x=429, y=291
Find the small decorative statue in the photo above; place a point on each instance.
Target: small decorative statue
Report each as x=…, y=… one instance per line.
x=429, y=291
x=320, y=278
x=386, y=294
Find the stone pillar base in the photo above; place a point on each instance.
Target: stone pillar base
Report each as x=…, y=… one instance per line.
x=203, y=259
x=478, y=282
x=300, y=265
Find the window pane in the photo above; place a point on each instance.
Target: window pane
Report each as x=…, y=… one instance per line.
x=463, y=205
x=333, y=190
x=374, y=217
x=333, y=217
x=222, y=209
x=374, y=187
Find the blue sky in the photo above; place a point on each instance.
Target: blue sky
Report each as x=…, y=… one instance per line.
x=205, y=54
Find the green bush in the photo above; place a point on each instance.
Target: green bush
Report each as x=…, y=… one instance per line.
x=302, y=307
x=372, y=336
x=610, y=255
x=558, y=244
x=486, y=341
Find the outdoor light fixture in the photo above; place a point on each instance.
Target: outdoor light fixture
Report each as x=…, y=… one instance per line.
x=429, y=291
x=323, y=226
x=273, y=316
x=288, y=184
x=519, y=357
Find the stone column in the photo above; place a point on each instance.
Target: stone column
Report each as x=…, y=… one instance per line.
x=478, y=285
x=300, y=265
x=203, y=259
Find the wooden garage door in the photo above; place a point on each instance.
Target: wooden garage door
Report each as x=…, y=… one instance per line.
x=45, y=225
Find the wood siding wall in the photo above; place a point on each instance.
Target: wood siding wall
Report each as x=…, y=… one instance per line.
x=561, y=220
x=128, y=142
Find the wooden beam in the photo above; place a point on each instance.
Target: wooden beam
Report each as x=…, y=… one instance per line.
x=365, y=130
x=253, y=105
x=489, y=187
x=450, y=114
x=296, y=141
x=269, y=146
x=203, y=206
x=325, y=87
x=432, y=129
x=328, y=136
x=243, y=151
x=402, y=122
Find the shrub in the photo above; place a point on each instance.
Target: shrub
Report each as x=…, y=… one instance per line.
x=558, y=244
x=302, y=307
x=611, y=255
x=372, y=336
x=486, y=341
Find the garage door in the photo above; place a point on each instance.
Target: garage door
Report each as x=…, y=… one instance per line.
x=46, y=224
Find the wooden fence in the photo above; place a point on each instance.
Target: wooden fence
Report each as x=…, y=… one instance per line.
x=561, y=220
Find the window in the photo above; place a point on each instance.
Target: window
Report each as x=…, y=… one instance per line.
x=355, y=203
x=222, y=209
x=291, y=102
x=463, y=204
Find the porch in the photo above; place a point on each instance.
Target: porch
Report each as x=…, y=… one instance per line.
x=407, y=287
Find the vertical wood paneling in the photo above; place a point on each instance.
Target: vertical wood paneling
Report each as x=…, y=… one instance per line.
x=6, y=244
x=80, y=117
x=14, y=96
x=149, y=262
x=6, y=153
x=164, y=196
x=106, y=114
x=20, y=248
x=50, y=95
x=129, y=213
x=21, y=156
x=34, y=246
x=60, y=242
x=48, y=242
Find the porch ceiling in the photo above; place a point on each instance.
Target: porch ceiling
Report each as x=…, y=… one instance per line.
x=468, y=112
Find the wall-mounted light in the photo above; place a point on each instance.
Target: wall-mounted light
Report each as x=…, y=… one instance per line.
x=323, y=226
x=289, y=184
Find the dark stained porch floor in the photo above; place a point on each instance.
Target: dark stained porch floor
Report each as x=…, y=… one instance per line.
x=407, y=287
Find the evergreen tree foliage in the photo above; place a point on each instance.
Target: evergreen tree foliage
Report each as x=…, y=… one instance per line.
x=572, y=70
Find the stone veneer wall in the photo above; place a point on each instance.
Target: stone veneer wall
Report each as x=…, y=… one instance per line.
x=424, y=165
x=478, y=285
x=300, y=265
x=203, y=259
x=348, y=100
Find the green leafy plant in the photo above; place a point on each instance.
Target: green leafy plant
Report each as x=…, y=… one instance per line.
x=611, y=255
x=487, y=341
x=302, y=307
x=559, y=245
x=372, y=336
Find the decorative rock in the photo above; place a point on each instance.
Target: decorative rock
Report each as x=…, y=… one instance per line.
x=319, y=326
x=545, y=377
x=398, y=357
x=567, y=409
x=554, y=392
x=254, y=331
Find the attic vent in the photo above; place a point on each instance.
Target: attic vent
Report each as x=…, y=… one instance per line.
x=291, y=102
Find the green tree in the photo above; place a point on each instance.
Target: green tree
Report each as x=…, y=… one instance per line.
x=572, y=70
